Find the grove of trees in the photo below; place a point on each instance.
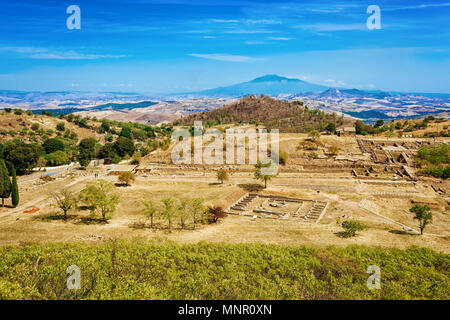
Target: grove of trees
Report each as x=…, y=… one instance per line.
x=184, y=212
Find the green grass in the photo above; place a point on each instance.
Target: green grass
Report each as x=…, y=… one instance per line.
x=164, y=270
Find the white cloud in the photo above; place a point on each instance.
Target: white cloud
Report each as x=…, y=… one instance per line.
x=243, y=31
x=419, y=6
x=333, y=27
x=335, y=83
x=263, y=21
x=42, y=53
x=224, y=57
x=72, y=55
x=225, y=21
x=280, y=38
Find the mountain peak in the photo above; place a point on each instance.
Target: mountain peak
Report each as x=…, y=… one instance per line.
x=272, y=78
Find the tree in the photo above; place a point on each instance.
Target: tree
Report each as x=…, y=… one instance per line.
x=222, y=175
x=265, y=170
x=53, y=145
x=101, y=198
x=198, y=209
x=331, y=127
x=42, y=162
x=216, y=213
x=23, y=157
x=351, y=227
x=107, y=151
x=86, y=151
x=5, y=182
x=58, y=158
x=314, y=135
x=184, y=209
x=378, y=124
x=124, y=146
x=125, y=132
x=423, y=214
x=64, y=200
x=168, y=210
x=126, y=177
x=136, y=160
x=151, y=210
x=14, y=189
x=104, y=127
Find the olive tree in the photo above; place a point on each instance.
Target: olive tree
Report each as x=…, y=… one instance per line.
x=423, y=214
x=265, y=170
x=101, y=198
x=64, y=200
x=222, y=175
x=151, y=210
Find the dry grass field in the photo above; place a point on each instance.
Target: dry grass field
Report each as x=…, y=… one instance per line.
x=388, y=227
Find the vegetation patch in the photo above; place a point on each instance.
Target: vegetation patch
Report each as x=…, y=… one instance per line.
x=163, y=270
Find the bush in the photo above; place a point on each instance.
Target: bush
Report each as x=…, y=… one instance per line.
x=284, y=158
x=435, y=154
x=61, y=126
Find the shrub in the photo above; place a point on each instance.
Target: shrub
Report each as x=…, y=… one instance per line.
x=18, y=112
x=61, y=126
x=284, y=158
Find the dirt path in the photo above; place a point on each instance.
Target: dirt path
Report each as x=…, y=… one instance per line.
x=39, y=200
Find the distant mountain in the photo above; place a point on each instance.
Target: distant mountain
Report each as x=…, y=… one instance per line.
x=269, y=85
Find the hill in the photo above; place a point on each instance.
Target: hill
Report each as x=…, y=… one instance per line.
x=268, y=84
x=37, y=128
x=272, y=113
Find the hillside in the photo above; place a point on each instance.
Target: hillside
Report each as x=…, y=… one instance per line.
x=37, y=128
x=272, y=113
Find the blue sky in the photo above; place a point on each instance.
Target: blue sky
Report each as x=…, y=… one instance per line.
x=152, y=46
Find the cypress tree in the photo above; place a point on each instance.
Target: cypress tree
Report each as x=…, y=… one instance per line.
x=5, y=182
x=14, y=189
